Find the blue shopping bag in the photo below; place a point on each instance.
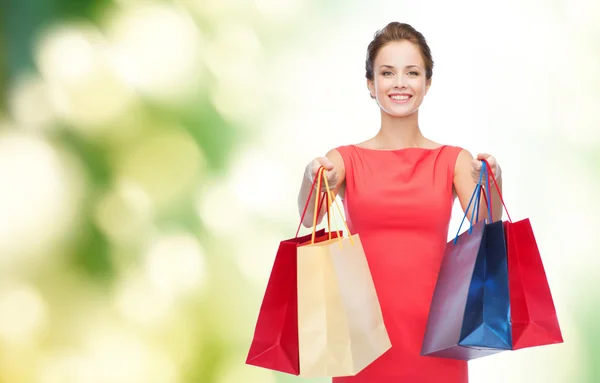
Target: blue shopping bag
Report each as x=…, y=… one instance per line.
x=469, y=315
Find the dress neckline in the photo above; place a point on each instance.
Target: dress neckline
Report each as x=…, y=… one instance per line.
x=398, y=150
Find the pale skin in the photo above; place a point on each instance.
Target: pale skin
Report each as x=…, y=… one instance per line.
x=399, y=85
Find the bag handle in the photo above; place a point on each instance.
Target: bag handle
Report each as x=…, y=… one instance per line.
x=312, y=188
x=477, y=196
x=497, y=189
x=318, y=179
x=485, y=166
x=330, y=194
x=322, y=175
x=478, y=200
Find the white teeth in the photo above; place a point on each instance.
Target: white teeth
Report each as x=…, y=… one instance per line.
x=400, y=97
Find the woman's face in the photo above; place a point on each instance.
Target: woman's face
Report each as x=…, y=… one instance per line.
x=399, y=84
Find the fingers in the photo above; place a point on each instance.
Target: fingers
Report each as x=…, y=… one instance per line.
x=490, y=160
x=477, y=165
x=324, y=161
x=317, y=163
x=487, y=157
x=330, y=172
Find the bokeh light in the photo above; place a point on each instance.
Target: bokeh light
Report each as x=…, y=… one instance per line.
x=164, y=48
x=175, y=265
x=38, y=200
x=30, y=103
x=164, y=164
x=82, y=74
x=24, y=314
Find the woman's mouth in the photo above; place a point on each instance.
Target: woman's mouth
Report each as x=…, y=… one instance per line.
x=400, y=98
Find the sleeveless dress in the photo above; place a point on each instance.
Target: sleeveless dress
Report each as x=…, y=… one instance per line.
x=400, y=202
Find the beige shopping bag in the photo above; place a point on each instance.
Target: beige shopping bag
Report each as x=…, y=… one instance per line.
x=340, y=325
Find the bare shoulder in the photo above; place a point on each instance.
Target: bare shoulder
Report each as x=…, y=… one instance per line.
x=463, y=162
x=463, y=183
x=336, y=158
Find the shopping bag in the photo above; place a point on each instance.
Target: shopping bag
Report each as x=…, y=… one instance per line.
x=469, y=316
x=533, y=314
x=340, y=323
x=275, y=342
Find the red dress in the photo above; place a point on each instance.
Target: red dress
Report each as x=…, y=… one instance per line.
x=400, y=202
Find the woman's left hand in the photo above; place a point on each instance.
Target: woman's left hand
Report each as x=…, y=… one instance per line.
x=477, y=163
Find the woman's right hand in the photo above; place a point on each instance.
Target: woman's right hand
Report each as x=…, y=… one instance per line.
x=332, y=175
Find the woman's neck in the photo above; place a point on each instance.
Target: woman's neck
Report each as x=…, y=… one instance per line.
x=399, y=133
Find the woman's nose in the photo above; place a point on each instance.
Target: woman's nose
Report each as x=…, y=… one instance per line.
x=401, y=82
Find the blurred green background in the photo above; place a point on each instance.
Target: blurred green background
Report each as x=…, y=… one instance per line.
x=150, y=155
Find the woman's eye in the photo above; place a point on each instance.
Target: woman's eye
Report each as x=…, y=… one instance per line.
x=413, y=73
x=387, y=73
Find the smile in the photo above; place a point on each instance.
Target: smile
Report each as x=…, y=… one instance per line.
x=400, y=98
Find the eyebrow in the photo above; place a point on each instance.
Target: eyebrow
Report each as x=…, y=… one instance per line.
x=406, y=67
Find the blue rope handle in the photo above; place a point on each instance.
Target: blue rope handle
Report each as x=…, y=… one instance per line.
x=477, y=195
x=484, y=170
x=476, y=209
x=489, y=194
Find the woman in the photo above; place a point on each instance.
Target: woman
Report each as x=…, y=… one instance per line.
x=398, y=189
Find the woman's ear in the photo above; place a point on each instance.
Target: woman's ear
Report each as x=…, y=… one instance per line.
x=371, y=87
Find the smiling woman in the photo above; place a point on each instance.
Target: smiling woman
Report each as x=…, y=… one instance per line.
x=400, y=33
x=399, y=79
x=398, y=189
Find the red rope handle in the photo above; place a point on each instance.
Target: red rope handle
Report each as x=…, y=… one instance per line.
x=308, y=202
x=491, y=173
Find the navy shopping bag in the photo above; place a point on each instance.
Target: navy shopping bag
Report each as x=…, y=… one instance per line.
x=469, y=315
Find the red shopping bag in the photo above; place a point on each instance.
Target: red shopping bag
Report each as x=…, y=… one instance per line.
x=533, y=317
x=533, y=314
x=275, y=342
